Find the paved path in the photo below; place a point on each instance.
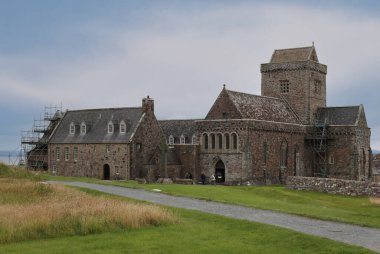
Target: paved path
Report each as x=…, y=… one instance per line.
x=355, y=235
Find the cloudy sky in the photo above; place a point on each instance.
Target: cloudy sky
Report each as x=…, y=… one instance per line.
x=95, y=53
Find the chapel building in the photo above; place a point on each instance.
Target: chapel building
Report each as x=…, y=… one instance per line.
x=244, y=139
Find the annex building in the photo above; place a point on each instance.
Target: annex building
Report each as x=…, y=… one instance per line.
x=287, y=130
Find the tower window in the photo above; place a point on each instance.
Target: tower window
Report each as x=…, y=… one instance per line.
x=284, y=86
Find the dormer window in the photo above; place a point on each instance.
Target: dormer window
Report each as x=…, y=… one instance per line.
x=182, y=140
x=122, y=127
x=110, y=127
x=83, y=128
x=284, y=86
x=171, y=140
x=194, y=139
x=72, y=128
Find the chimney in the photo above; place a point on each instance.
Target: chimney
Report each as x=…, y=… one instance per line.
x=148, y=105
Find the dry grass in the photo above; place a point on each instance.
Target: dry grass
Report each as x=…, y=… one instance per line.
x=32, y=210
x=375, y=201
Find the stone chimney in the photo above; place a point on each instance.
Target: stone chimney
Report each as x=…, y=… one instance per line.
x=148, y=105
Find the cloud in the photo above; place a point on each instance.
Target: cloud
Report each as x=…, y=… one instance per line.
x=182, y=57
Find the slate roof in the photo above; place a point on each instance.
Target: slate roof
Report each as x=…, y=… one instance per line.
x=339, y=115
x=96, y=121
x=262, y=107
x=294, y=54
x=176, y=128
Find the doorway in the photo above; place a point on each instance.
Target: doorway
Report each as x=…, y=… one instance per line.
x=220, y=172
x=106, y=172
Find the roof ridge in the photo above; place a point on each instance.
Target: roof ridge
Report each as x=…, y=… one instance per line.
x=309, y=47
x=97, y=109
x=269, y=97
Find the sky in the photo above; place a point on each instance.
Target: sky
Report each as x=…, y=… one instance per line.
x=97, y=54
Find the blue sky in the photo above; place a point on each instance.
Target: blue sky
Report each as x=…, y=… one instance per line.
x=87, y=54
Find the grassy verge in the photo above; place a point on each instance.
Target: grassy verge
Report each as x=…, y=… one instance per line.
x=33, y=210
x=197, y=233
x=353, y=210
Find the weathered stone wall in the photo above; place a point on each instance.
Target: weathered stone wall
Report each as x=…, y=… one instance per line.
x=303, y=97
x=255, y=138
x=334, y=186
x=91, y=160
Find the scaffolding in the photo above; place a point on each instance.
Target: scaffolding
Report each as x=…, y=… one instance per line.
x=319, y=138
x=34, y=142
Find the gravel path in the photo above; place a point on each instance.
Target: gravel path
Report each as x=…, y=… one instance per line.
x=351, y=234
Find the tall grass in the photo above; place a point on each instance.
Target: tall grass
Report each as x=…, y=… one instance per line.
x=33, y=210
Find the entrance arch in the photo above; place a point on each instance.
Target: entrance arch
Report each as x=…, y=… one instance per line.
x=106, y=172
x=220, y=172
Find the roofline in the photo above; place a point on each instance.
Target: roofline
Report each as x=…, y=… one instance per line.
x=96, y=109
x=274, y=51
x=137, y=126
x=248, y=120
x=56, y=127
x=183, y=120
x=269, y=97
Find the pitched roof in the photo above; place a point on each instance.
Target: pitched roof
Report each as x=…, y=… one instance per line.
x=96, y=121
x=262, y=107
x=339, y=115
x=294, y=54
x=176, y=128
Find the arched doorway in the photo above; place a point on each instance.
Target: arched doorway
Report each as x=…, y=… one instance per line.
x=106, y=172
x=220, y=172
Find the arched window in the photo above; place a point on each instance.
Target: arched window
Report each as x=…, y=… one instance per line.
x=83, y=128
x=122, y=127
x=284, y=155
x=171, y=140
x=182, y=139
x=212, y=141
x=227, y=138
x=220, y=141
x=331, y=159
x=110, y=127
x=205, y=140
x=72, y=128
x=234, y=141
x=194, y=139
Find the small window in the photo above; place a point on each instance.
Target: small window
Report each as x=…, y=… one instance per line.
x=72, y=128
x=138, y=147
x=110, y=127
x=227, y=140
x=205, y=140
x=122, y=127
x=75, y=154
x=108, y=148
x=83, y=128
x=171, y=140
x=182, y=140
x=284, y=86
x=67, y=156
x=58, y=153
x=331, y=159
x=212, y=141
x=220, y=141
x=194, y=140
x=317, y=87
x=234, y=141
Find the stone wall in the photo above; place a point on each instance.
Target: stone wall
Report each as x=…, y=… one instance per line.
x=334, y=186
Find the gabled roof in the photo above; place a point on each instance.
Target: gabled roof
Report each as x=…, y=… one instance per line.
x=96, y=121
x=294, y=54
x=262, y=107
x=176, y=128
x=346, y=116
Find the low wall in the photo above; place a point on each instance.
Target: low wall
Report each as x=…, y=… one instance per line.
x=334, y=186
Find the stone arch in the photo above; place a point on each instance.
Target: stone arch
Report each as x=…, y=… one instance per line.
x=220, y=171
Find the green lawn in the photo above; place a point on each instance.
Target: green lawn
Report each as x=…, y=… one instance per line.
x=196, y=233
x=354, y=210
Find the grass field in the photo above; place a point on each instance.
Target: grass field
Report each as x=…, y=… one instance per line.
x=196, y=233
x=33, y=210
x=353, y=210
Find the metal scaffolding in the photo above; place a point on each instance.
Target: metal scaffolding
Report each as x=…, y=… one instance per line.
x=34, y=142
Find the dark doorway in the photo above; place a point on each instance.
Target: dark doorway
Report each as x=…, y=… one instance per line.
x=106, y=172
x=220, y=172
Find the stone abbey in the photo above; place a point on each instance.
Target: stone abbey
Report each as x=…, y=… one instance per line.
x=287, y=131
